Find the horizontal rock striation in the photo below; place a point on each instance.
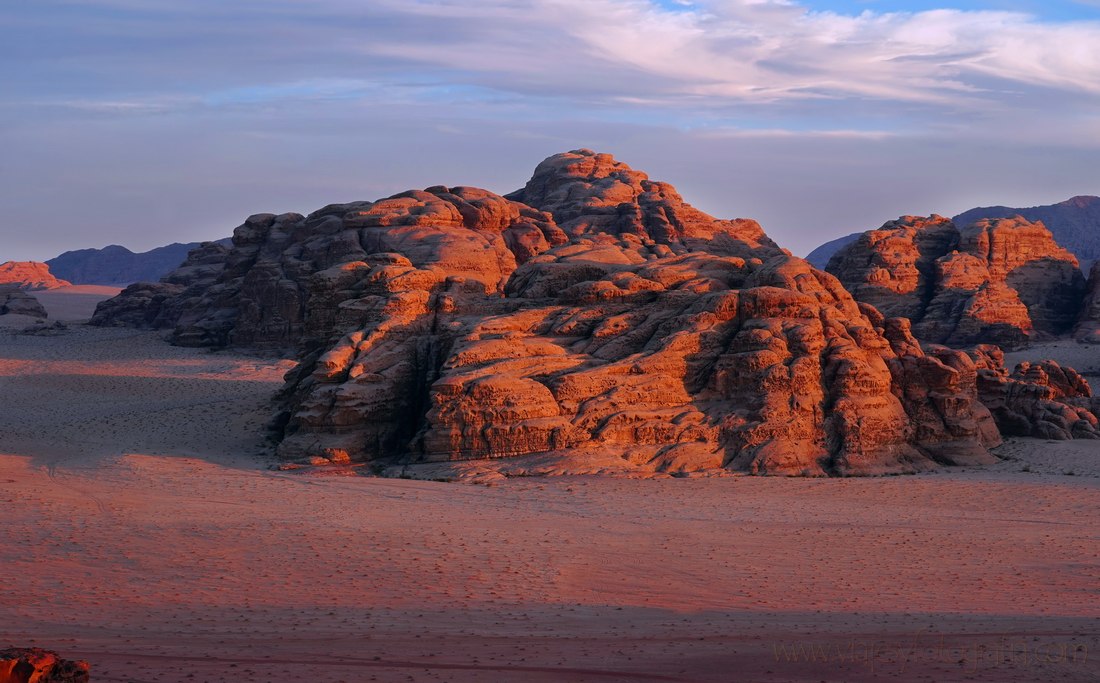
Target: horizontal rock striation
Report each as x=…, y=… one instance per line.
x=592, y=316
x=1002, y=281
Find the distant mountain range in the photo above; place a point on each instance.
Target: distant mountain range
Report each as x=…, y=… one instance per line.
x=118, y=266
x=819, y=258
x=1075, y=224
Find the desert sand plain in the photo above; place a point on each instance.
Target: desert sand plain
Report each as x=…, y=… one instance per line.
x=146, y=532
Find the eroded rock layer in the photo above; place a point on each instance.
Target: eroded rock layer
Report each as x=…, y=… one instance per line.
x=1002, y=281
x=591, y=316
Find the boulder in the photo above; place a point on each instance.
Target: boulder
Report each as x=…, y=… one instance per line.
x=18, y=302
x=35, y=665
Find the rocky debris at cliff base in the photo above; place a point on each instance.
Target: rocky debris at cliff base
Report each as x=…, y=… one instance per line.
x=1043, y=400
x=15, y=301
x=35, y=665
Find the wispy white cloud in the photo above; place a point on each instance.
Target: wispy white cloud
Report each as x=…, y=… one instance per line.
x=718, y=59
x=254, y=104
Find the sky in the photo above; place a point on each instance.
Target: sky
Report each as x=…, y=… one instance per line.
x=145, y=122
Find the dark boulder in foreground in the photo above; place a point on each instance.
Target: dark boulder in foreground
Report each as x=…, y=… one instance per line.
x=17, y=302
x=35, y=665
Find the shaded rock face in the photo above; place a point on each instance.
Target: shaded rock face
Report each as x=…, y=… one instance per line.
x=591, y=313
x=17, y=302
x=1088, y=323
x=1042, y=400
x=35, y=665
x=1002, y=281
x=29, y=275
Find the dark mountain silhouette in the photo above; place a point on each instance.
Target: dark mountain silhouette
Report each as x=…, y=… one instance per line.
x=117, y=265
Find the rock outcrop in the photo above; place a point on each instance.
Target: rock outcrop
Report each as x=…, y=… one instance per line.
x=589, y=193
x=35, y=665
x=1043, y=400
x=118, y=266
x=29, y=275
x=591, y=317
x=17, y=302
x=1088, y=322
x=1002, y=281
x=1075, y=223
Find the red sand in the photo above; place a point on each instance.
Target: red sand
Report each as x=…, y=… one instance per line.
x=145, y=534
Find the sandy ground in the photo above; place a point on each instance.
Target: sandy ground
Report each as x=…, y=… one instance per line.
x=145, y=532
x=76, y=302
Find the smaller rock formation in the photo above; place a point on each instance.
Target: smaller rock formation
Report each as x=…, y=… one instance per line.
x=1074, y=223
x=1002, y=281
x=1043, y=400
x=17, y=302
x=35, y=665
x=1088, y=324
x=29, y=275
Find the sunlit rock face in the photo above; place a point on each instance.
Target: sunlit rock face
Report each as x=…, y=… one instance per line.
x=1002, y=281
x=590, y=316
x=284, y=277
x=29, y=276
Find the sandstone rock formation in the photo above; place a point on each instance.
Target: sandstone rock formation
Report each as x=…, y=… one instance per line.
x=589, y=193
x=29, y=275
x=1088, y=322
x=1075, y=223
x=591, y=314
x=35, y=665
x=118, y=266
x=1002, y=281
x=1043, y=400
x=17, y=302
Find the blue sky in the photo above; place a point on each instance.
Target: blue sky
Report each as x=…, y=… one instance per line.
x=1054, y=10
x=141, y=123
